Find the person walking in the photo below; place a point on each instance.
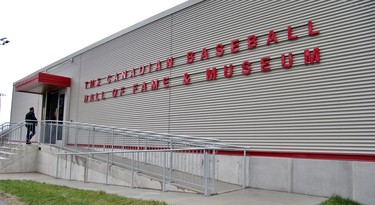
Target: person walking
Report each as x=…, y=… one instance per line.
x=31, y=122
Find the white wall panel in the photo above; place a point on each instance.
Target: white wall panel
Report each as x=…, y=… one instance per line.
x=21, y=102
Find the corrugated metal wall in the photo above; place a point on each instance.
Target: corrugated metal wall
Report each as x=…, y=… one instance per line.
x=323, y=107
x=146, y=111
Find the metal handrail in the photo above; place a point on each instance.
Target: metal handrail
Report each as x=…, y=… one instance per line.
x=141, y=148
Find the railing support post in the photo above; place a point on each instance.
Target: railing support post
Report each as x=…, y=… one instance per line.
x=133, y=169
x=107, y=173
x=146, y=139
x=164, y=171
x=171, y=161
x=75, y=139
x=205, y=173
x=88, y=139
x=93, y=138
x=20, y=135
x=71, y=167
x=57, y=166
x=50, y=133
x=244, y=169
x=113, y=144
x=138, y=147
x=56, y=131
x=213, y=170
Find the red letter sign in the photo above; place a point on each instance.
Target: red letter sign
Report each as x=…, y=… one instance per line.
x=142, y=70
x=290, y=56
x=166, y=82
x=144, y=87
x=155, y=84
x=311, y=58
x=251, y=42
x=264, y=62
x=219, y=49
x=211, y=74
x=122, y=90
x=271, y=37
x=169, y=62
x=246, y=69
x=158, y=65
x=290, y=36
x=204, y=54
x=190, y=57
x=310, y=27
x=230, y=74
x=135, y=87
x=234, y=46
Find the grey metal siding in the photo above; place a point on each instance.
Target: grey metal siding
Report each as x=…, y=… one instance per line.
x=147, y=111
x=324, y=107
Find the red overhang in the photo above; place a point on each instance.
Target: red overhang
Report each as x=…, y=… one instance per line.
x=42, y=82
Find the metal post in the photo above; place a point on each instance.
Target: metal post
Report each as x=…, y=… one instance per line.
x=146, y=150
x=106, y=176
x=85, y=177
x=138, y=147
x=42, y=133
x=133, y=170
x=205, y=173
x=57, y=166
x=213, y=170
x=244, y=169
x=93, y=138
x=171, y=161
x=164, y=171
x=71, y=167
x=21, y=135
x=75, y=139
x=50, y=132
x=56, y=129
x=113, y=143
x=63, y=133
x=88, y=140
x=123, y=144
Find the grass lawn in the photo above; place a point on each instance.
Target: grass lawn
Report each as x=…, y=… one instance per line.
x=32, y=192
x=337, y=200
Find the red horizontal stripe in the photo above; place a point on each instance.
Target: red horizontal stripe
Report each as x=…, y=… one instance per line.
x=298, y=155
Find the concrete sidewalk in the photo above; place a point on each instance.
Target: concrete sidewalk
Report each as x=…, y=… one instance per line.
x=241, y=197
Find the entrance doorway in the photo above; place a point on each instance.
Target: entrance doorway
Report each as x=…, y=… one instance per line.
x=53, y=108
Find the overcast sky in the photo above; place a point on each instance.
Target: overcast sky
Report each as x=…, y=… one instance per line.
x=44, y=31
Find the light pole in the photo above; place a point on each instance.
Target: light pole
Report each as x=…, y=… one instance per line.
x=4, y=41
x=1, y=94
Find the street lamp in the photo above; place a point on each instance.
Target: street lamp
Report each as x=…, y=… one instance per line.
x=4, y=41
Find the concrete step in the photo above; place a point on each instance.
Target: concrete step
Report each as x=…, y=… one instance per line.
x=12, y=145
x=8, y=149
x=6, y=154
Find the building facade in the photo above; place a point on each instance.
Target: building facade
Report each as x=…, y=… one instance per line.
x=293, y=81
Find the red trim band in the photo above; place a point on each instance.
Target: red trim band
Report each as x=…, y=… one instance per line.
x=295, y=155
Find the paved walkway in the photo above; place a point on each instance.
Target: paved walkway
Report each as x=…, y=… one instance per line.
x=241, y=197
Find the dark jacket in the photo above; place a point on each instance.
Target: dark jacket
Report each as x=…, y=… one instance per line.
x=30, y=118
